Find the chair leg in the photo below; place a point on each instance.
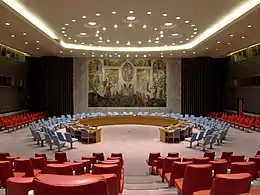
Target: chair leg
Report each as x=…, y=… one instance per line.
x=190, y=144
x=71, y=145
x=42, y=143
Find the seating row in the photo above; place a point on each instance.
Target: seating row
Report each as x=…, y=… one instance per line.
x=19, y=176
x=190, y=175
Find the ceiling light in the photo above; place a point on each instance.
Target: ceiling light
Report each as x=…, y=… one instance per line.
x=130, y=25
x=104, y=28
x=37, y=48
x=161, y=53
x=193, y=25
x=217, y=49
x=184, y=52
x=7, y=24
x=168, y=24
x=66, y=24
x=155, y=28
x=92, y=23
x=131, y=12
x=115, y=26
x=60, y=51
x=218, y=42
x=118, y=56
x=93, y=56
x=65, y=35
x=144, y=26
x=128, y=43
x=139, y=42
x=171, y=54
x=207, y=48
x=180, y=41
x=101, y=56
x=127, y=55
x=161, y=35
x=195, y=33
x=187, y=39
x=69, y=38
x=195, y=29
x=97, y=31
x=175, y=34
x=63, y=28
x=100, y=38
x=249, y=26
x=73, y=20
x=149, y=13
x=110, y=56
x=84, y=17
x=26, y=43
x=228, y=43
x=24, y=34
x=192, y=36
x=164, y=15
x=157, y=38
x=242, y=37
x=161, y=32
x=93, y=52
x=63, y=32
x=117, y=42
x=178, y=17
x=100, y=41
x=136, y=56
x=144, y=56
x=232, y=35
x=113, y=12
x=156, y=41
x=149, y=41
x=97, y=14
x=131, y=18
x=70, y=51
x=82, y=43
x=187, y=21
x=108, y=40
x=173, y=43
x=96, y=35
x=105, y=54
x=37, y=41
x=75, y=41
x=149, y=54
x=83, y=54
x=83, y=33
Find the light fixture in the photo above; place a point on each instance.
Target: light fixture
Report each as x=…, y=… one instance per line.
x=63, y=28
x=108, y=40
x=82, y=43
x=161, y=32
x=187, y=39
x=60, y=51
x=139, y=42
x=194, y=52
x=242, y=37
x=73, y=20
x=149, y=54
x=181, y=41
x=155, y=28
x=96, y=35
x=164, y=15
x=170, y=54
x=128, y=43
x=228, y=43
x=7, y=24
x=104, y=28
x=63, y=32
x=97, y=31
x=178, y=17
x=70, y=51
x=168, y=24
x=157, y=38
x=69, y=38
x=101, y=56
x=92, y=23
x=195, y=29
x=105, y=54
x=65, y=35
x=144, y=56
x=149, y=13
x=194, y=33
x=136, y=56
x=175, y=34
x=24, y=34
x=115, y=26
x=100, y=38
x=144, y=26
x=131, y=12
x=130, y=18
x=156, y=41
x=193, y=25
x=249, y=26
x=161, y=56
x=187, y=21
x=207, y=48
x=117, y=42
x=93, y=56
x=217, y=49
x=218, y=42
x=232, y=35
x=113, y=12
x=184, y=52
x=130, y=25
x=149, y=41
x=37, y=41
x=75, y=41
x=93, y=52
x=26, y=43
x=83, y=54
x=161, y=35
x=127, y=55
x=83, y=33
x=118, y=56
x=115, y=54
x=37, y=48
x=173, y=43
x=192, y=36
x=66, y=24
x=84, y=17
x=110, y=56
x=97, y=14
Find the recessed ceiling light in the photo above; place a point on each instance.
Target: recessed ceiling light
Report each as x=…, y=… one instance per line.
x=110, y=56
x=175, y=34
x=7, y=24
x=130, y=25
x=84, y=17
x=26, y=43
x=127, y=55
x=193, y=25
x=218, y=42
x=128, y=43
x=139, y=42
x=63, y=28
x=70, y=51
x=178, y=17
x=104, y=28
x=156, y=41
x=75, y=41
x=108, y=40
x=149, y=13
x=60, y=51
x=69, y=38
x=165, y=15
x=118, y=56
x=149, y=41
x=217, y=49
x=100, y=38
x=144, y=26
x=249, y=26
x=115, y=26
x=228, y=43
x=24, y=34
x=171, y=54
x=92, y=23
x=161, y=35
x=155, y=28
x=37, y=48
x=187, y=21
x=184, y=52
x=161, y=32
x=192, y=36
x=97, y=14
x=187, y=39
x=131, y=12
x=242, y=37
x=101, y=56
x=207, y=48
x=100, y=41
x=97, y=31
x=149, y=54
x=93, y=52
x=131, y=18
x=173, y=43
x=63, y=32
x=117, y=42
x=13, y=36
x=82, y=43
x=83, y=54
x=144, y=56
x=37, y=41
x=195, y=33
x=113, y=12
x=65, y=35
x=232, y=35
x=136, y=56
x=83, y=33
x=194, y=52
x=180, y=41
x=161, y=53
x=105, y=54
x=73, y=20
x=157, y=38
x=168, y=24
x=66, y=24
x=195, y=29
x=96, y=35
x=93, y=56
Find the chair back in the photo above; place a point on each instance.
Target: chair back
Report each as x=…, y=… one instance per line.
x=3, y=155
x=219, y=166
x=61, y=157
x=256, y=160
x=200, y=136
x=84, y=134
x=178, y=170
x=56, y=141
x=47, y=138
x=236, y=158
x=60, y=136
x=24, y=165
x=226, y=155
x=204, y=160
x=177, y=133
x=167, y=164
x=38, y=163
x=210, y=155
x=6, y=171
x=244, y=167
x=68, y=137
x=193, y=137
x=231, y=184
x=214, y=139
x=207, y=140
x=41, y=155
x=173, y=154
x=99, y=156
x=152, y=157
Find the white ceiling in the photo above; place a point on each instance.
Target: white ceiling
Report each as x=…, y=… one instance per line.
x=195, y=16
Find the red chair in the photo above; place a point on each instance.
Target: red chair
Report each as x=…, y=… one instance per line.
x=244, y=167
x=157, y=164
x=68, y=185
x=225, y=155
x=3, y=156
x=178, y=170
x=257, y=152
x=61, y=157
x=25, y=165
x=11, y=159
x=173, y=154
x=91, y=158
x=219, y=166
x=117, y=155
x=77, y=167
x=99, y=156
x=185, y=159
x=167, y=166
x=48, y=161
x=116, y=158
x=200, y=160
x=152, y=157
x=111, y=162
x=256, y=160
x=196, y=178
x=236, y=158
x=19, y=185
x=87, y=164
x=253, y=192
x=38, y=163
x=111, y=180
x=210, y=155
x=6, y=171
x=58, y=169
x=229, y=184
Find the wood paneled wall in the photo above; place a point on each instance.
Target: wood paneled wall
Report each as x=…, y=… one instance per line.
x=51, y=85
x=202, y=85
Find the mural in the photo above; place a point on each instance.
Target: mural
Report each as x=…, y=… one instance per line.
x=127, y=83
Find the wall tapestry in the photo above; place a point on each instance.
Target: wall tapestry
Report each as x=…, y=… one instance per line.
x=127, y=83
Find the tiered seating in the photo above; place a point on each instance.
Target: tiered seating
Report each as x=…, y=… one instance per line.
x=195, y=175
x=16, y=121
x=64, y=177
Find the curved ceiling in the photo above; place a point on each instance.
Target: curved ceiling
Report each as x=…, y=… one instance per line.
x=134, y=28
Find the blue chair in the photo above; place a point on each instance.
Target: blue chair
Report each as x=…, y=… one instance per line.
x=40, y=137
x=200, y=137
x=221, y=136
x=213, y=140
x=60, y=136
x=48, y=140
x=205, y=142
x=70, y=139
x=176, y=134
x=85, y=135
x=58, y=143
x=191, y=139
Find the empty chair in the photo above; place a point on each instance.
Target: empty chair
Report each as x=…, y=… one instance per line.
x=187, y=159
x=58, y=169
x=196, y=178
x=213, y=140
x=19, y=185
x=244, y=167
x=111, y=162
x=57, y=142
x=167, y=165
x=25, y=166
x=87, y=164
x=205, y=142
x=117, y=155
x=173, y=154
x=70, y=139
x=116, y=158
x=191, y=139
x=78, y=167
x=48, y=139
x=219, y=166
x=99, y=156
x=176, y=134
x=91, y=158
x=38, y=163
x=200, y=136
x=257, y=162
x=40, y=137
x=225, y=155
x=152, y=157
x=48, y=161
x=204, y=160
x=157, y=164
x=3, y=155
x=60, y=136
x=111, y=180
x=86, y=135
x=231, y=184
x=210, y=155
x=61, y=157
x=236, y=158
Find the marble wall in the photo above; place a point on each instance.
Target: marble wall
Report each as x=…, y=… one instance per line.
x=80, y=89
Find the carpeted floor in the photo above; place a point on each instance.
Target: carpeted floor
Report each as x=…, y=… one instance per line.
x=135, y=142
